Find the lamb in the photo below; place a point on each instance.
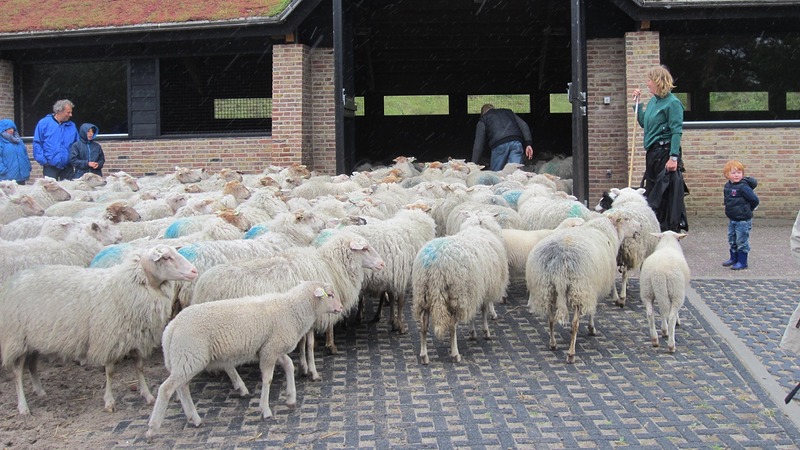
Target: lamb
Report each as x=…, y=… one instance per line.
x=569, y=270
x=339, y=260
x=519, y=243
x=93, y=315
x=13, y=208
x=664, y=279
x=455, y=276
x=76, y=243
x=230, y=332
x=634, y=249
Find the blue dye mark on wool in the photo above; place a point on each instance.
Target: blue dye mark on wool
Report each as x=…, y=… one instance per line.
x=323, y=237
x=512, y=197
x=488, y=179
x=189, y=252
x=431, y=251
x=109, y=256
x=175, y=229
x=575, y=211
x=256, y=231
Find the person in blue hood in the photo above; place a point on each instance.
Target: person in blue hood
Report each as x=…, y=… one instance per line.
x=14, y=162
x=86, y=155
x=51, y=141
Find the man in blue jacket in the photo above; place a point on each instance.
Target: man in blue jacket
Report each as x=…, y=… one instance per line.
x=54, y=134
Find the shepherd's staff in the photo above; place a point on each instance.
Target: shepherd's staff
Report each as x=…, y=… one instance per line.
x=633, y=138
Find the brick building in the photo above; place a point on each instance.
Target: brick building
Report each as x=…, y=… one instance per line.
x=247, y=84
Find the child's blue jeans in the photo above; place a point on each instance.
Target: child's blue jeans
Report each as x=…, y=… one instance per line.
x=739, y=235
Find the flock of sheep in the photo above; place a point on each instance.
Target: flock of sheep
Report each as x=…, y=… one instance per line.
x=224, y=269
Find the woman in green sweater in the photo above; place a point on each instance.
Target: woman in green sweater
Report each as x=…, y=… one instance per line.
x=662, y=121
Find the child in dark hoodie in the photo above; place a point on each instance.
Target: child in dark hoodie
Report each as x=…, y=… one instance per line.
x=86, y=155
x=740, y=201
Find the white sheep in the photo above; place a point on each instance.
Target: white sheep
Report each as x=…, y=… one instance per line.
x=160, y=208
x=519, y=243
x=397, y=240
x=76, y=243
x=339, y=260
x=227, y=333
x=505, y=216
x=634, y=249
x=98, y=316
x=664, y=279
x=453, y=277
x=569, y=270
x=13, y=208
x=46, y=191
x=546, y=212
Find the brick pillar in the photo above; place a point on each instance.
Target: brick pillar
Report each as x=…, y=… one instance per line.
x=290, y=104
x=608, y=160
x=7, y=90
x=642, y=52
x=323, y=117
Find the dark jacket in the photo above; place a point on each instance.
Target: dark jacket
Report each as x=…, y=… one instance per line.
x=14, y=162
x=740, y=199
x=498, y=126
x=84, y=150
x=51, y=141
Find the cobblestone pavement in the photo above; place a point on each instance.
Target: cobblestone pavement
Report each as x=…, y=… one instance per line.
x=723, y=388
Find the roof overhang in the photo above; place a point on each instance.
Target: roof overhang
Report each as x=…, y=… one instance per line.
x=708, y=9
x=285, y=22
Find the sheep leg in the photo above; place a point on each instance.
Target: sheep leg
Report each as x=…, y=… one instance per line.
x=397, y=313
x=302, y=346
x=267, y=366
x=185, y=396
x=311, y=359
x=108, y=397
x=473, y=333
x=492, y=313
x=32, y=363
x=288, y=367
x=592, y=329
x=138, y=362
x=673, y=318
x=551, y=322
x=651, y=321
x=236, y=380
x=165, y=392
x=619, y=298
x=573, y=336
x=664, y=331
x=360, y=310
x=423, y=338
x=329, y=341
x=454, y=343
x=22, y=404
x=379, y=311
x=487, y=309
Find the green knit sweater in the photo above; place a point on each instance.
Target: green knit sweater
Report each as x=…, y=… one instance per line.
x=662, y=120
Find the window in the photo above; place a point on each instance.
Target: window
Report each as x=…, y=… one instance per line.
x=735, y=76
x=99, y=91
x=559, y=103
x=416, y=105
x=519, y=103
x=216, y=94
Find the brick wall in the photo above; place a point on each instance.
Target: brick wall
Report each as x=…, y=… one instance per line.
x=6, y=89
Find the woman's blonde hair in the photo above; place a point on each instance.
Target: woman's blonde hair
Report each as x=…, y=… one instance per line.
x=661, y=77
x=732, y=164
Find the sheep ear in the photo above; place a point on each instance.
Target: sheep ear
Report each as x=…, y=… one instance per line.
x=157, y=254
x=320, y=293
x=355, y=245
x=614, y=191
x=641, y=191
x=658, y=235
x=681, y=236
